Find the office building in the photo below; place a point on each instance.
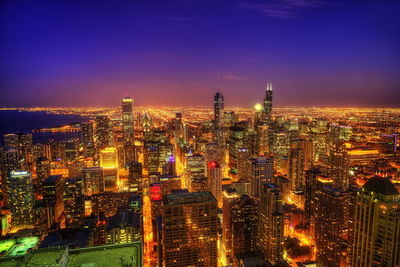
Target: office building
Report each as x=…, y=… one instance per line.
x=262, y=172
x=93, y=180
x=21, y=198
x=271, y=225
x=190, y=229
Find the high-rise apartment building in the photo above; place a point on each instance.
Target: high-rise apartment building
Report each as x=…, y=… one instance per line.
x=21, y=197
x=190, y=229
x=377, y=225
x=73, y=201
x=229, y=197
x=271, y=225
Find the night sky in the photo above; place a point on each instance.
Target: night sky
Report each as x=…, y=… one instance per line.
x=171, y=53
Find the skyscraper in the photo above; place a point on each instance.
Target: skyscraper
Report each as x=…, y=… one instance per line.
x=190, y=229
x=244, y=214
x=262, y=170
x=109, y=163
x=21, y=197
x=136, y=177
x=42, y=169
x=195, y=173
x=214, y=177
x=296, y=169
x=271, y=225
x=127, y=118
x=73, y=201
x=229, y=197
x=332, y=217
x=267, y=108
x=218, y=110
x=93, y=180
x=377, y=225
x=103, y=131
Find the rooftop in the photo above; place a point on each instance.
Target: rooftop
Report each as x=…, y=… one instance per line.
x=381, y=185
x=188, y=197
x=111, y=255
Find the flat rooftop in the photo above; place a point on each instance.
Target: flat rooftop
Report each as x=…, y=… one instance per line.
x=130, y=254
x=189, y=197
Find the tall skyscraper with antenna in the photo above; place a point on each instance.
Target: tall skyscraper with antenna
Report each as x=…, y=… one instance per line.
x=267, y=109
x=218, y=109
x=127, y=118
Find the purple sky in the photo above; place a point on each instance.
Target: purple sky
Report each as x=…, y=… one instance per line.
x=315, y=52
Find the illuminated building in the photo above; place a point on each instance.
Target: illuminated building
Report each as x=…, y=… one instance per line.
x=229, y=197
x=170, y=167
x=40, y=218
x=52, y=197
x=244, y=164
x=127, y=119
x=23, y=143
x=319, y=133
x=156, y=209
x=169, y=183
x=281, y=147
x=109, y=163
x=215, y=152
x=244, y=213
x=230, y=119
x=146, y=126
x=42, y=169
x=189, y=229
x=71, y=149
x=9, y=162
x=218, y=110
x=339, y=162
x=296, y=169
x=21, y=197
x=152, y=159
x=195, y=173
x=262, y=170
x=109, y=202
x=332, y=218
x=377, y=223
x=88, y=139
x=271, y=225
x=124, y=227
x=93, y=180
x=214, y=178
x=73, y=201
x=267, y=108
x=87, y=133
x=135, y=177
x=263, y=139
x=103, y=132
x=236, y=142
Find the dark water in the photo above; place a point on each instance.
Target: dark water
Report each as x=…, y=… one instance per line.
x=12, y=121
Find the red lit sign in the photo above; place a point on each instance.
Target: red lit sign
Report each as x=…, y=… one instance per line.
x=155, y=192
x=212, y=164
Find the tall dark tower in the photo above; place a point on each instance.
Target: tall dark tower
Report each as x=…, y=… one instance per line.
x=127, y=118
x=218, y=110
x=267, y=110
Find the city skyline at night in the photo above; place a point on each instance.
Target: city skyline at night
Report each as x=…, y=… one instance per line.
x=316, y=53
x=207, y=133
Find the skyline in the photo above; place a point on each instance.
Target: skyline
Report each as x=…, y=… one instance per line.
x=336, y=53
